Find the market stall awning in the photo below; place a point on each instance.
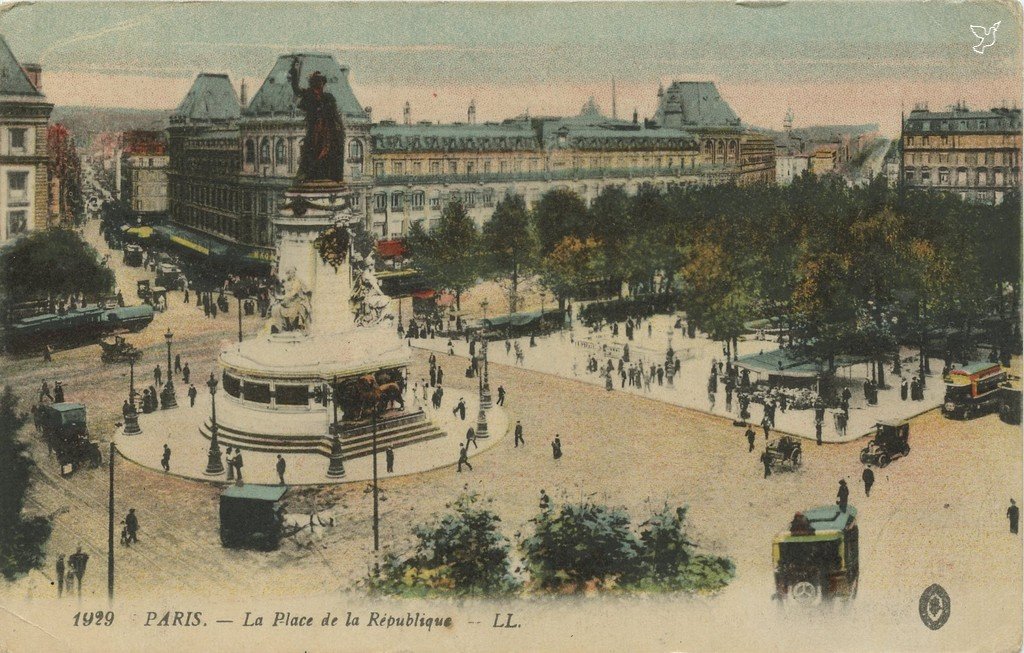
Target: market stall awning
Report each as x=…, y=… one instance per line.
x=192, y=240
x=390, y=248
x=783, y=362
x=140, y=232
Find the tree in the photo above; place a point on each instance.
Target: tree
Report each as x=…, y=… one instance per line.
x=56, y=262
x=509, y=246
x=581, y=544
x=66, y=167
x=560, y=213
x=611, y=225
x=461, y=552
x=448, y=256
x=21, y=539
x=669, y=558
x=571, y=267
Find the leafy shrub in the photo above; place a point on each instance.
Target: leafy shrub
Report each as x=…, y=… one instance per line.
x=461, y=553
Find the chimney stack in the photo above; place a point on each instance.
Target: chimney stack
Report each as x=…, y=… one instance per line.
x=34, y=72
x=245, y=94
x=407, y=113
x=636, y=117
x=471, y=114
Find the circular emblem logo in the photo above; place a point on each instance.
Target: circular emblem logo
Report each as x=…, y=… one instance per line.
x=934, y=607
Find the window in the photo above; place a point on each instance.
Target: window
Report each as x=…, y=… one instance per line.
x=265, y=158
x=435, y=167
x=435, y=202
x=397, y=167
x=469, y=167
x=943, y=175
x=487, y=167
x=471, y=198
x=17, y=223
x=378, y=169
x=279, y=152
x=18, y=139
x=17, y=187
x=396, y=200
x=291, y=395
x=355, y=151
x=453, y=167
x=488, y=197
x=417, y=167
x=250, y=152
x=417, y=200
x=380, y=202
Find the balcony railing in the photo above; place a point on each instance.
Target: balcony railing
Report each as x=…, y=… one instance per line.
x=567, y=174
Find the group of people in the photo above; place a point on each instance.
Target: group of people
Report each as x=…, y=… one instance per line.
x=55, y=397
x=70, y=573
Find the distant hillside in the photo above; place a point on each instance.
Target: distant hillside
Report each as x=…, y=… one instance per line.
x=83, y=122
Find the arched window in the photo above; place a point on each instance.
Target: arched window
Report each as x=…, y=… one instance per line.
x=250, y=152
x=355, y=150
x=265, y=151
x=280, y=156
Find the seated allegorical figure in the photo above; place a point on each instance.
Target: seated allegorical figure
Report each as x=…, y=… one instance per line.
x=290, y=310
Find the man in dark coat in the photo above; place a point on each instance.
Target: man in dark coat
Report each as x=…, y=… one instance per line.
x=869, y=479
x=280, y=467
x=460, y=409
x=1013, y=514
x=131, y=523
x=843, y=496
x=767, y=462
x=192, y=393
x=165, y=460
x=440, y=375
x=389, y=459
x=750, y=438
x=185, y=372
x=463, y=458
x=519, y=434
x=501, y=396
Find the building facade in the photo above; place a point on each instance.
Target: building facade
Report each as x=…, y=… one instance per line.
x=230, y=164
x=790, y=166
x=975, y=154
x=24, y=114
x=143, y=174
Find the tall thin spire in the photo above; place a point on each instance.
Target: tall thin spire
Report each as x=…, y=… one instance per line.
x=614, y=111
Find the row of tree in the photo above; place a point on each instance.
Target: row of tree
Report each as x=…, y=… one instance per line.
x=573, y=548
x=845, y=270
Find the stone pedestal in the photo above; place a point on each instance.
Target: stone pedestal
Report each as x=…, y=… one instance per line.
x=131, y=424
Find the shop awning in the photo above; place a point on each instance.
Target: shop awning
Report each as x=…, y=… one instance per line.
x=390, y=248
x=192, y=240
x=423, y=294
x=140, y=232
x=782, y=362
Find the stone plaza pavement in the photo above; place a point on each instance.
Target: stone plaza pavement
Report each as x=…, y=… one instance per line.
x=563, y=355
x=179, y=428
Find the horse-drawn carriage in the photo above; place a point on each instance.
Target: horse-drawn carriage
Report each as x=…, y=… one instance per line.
x=64, y=428
x=155, y=296
x=784, y=452
x=116, y=350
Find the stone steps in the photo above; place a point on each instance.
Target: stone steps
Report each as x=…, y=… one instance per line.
x=402, y=434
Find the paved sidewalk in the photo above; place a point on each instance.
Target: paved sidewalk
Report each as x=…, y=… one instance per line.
x=563, y=354
x=179, y=428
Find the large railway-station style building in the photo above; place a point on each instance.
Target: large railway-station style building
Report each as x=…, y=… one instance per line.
x=232, y=160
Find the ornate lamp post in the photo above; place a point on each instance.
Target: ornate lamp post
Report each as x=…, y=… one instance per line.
x=167, y=398
x=485, y=386
x=214, y=466
x=543, y=295
x=670, y=360
x=481, y=416
x=131, y=418
x=336, y=468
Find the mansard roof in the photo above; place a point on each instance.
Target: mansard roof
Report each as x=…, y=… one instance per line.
x=275, y=96
x=514, y=136
x=694, y=104
x=211, y=99
x=606, y=134
x=13, y=80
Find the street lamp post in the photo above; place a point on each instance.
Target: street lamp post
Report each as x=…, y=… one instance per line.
x=131, y=418
x=214, y=466
x=485, y=386
x=542, y=296
x=670, y=366
x=336, y=468
x=167, y=397
x=376, y=503
x=239, y=298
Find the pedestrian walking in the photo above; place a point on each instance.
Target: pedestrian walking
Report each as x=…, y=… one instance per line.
x=904, y=388
x=460, y=409
x=177, y=363
x=501, y=396
x=238, y=466
x=60, y=569
x=389, y=459
x=47, y=353
x=192, y=392
x=519, y=434
x=471, y=438
x=440, y=375
x=868, y=477
x=750, y=438
x=545, y=501
x=843, y=496
x=556, y=448
x=817, y=431
x=165, y=461
x=58, y=393
x=157, y=375
x=766, y=425
x=131, y=523
x=767, y=462
x=77, y=562
x=1013, y=514
x=44, y=391
x=711, y=401
x=185, y=373
x=463, y=458
x=280, y=469
x=451, y=348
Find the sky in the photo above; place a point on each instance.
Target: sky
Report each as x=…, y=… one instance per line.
x=833, y=62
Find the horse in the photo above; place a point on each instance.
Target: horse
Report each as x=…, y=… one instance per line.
x=379, y=395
